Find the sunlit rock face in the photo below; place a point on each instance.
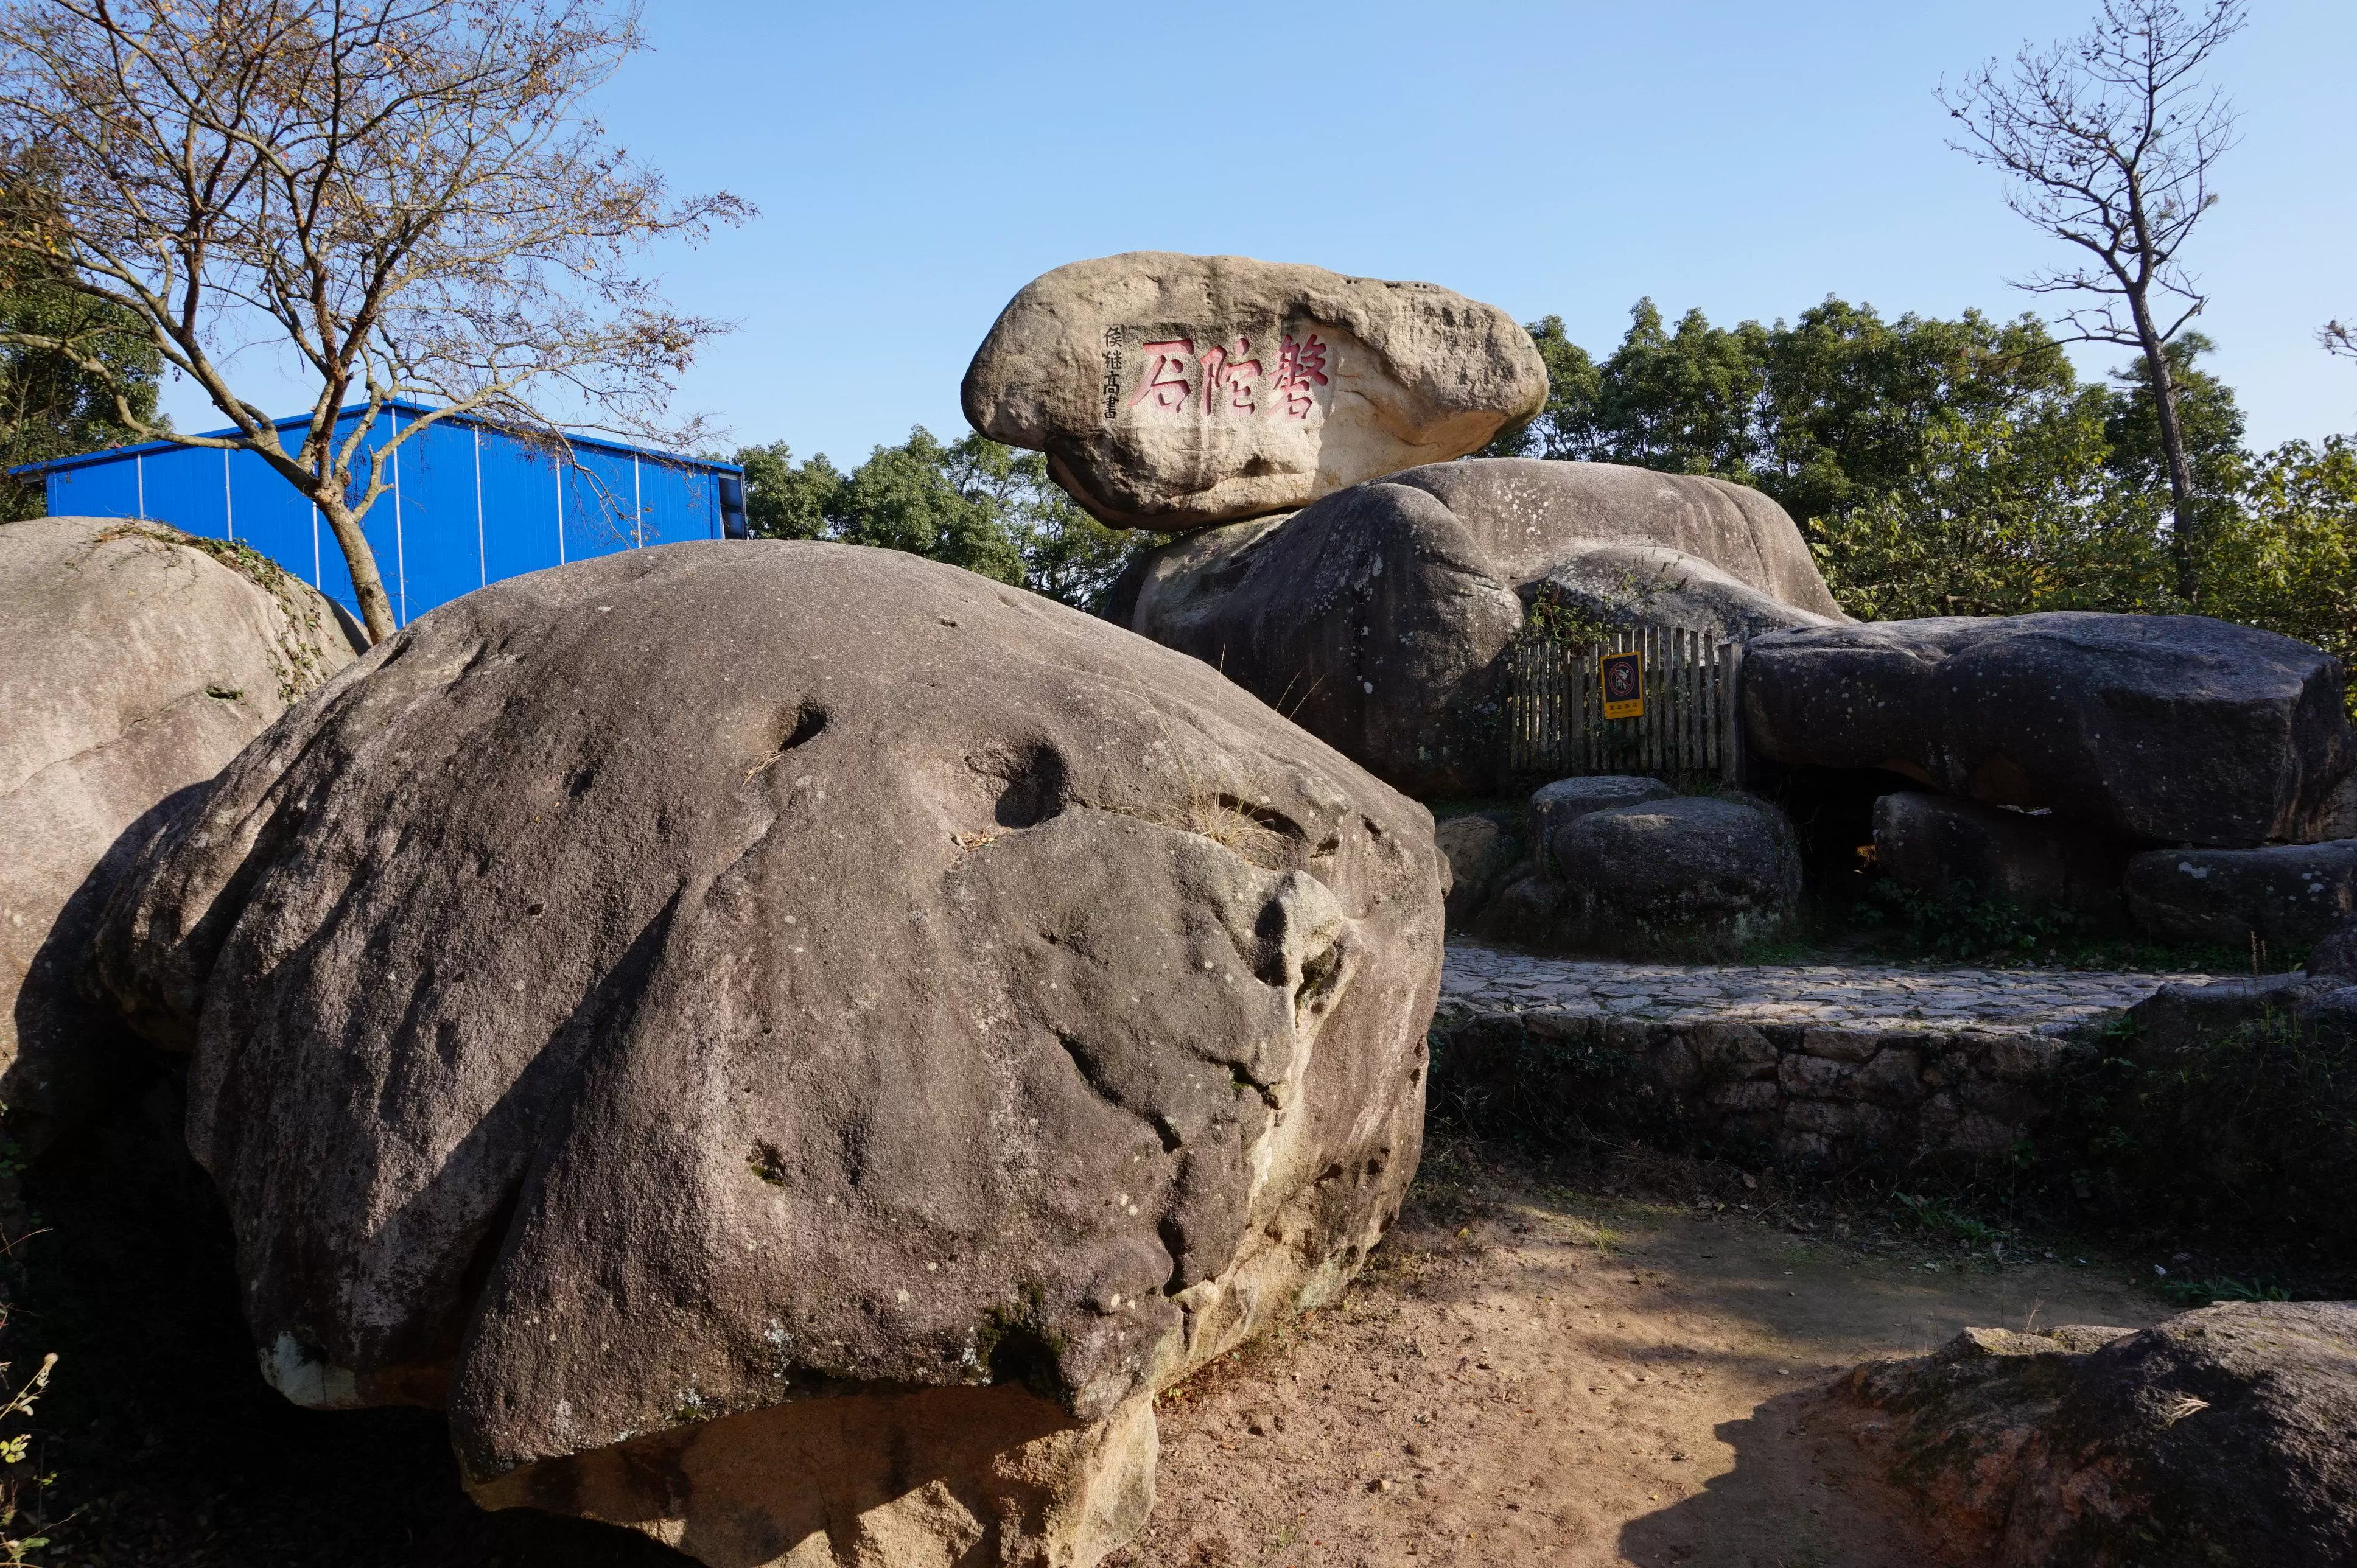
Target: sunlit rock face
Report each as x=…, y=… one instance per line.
x=1174, y=391
x=789, y=1044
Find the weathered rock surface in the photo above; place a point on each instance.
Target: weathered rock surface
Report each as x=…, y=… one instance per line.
x=1478, y=850
x=2228, y=1435
x=1377, y=618
x=801, y=1105
x=1951, y=847
x=1529, y=516
x=2335, y=954
x=134, y=664
x=1647, y=584
x=1567, y=800
x=2176, y=728
x=1697, y=875
x=2285, y=894
x=1173, y=391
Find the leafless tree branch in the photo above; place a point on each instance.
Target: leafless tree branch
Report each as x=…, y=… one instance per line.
x=2107, y=142
x=407, y=191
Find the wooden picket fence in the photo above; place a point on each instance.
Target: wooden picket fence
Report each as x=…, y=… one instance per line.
x=1555, y=708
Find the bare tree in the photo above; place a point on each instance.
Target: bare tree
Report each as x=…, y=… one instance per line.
x=405, y=193
x=2337, y=337
x=2109, y=139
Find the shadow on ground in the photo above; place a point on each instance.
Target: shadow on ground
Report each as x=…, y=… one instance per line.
x=166, y=1446
x=1790, y=1501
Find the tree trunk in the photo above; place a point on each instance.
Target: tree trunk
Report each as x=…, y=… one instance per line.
x=2186, y=537
x=368, y=584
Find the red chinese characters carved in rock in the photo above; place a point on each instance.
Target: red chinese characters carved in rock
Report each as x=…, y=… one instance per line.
x=1226, y=370
x=1168, y=384
x=1300, y=365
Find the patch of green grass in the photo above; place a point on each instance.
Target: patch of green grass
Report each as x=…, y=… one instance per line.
x=2206, y=1293
x=1936, y=1217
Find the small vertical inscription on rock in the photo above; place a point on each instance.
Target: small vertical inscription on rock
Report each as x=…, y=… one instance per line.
x=1114, y=337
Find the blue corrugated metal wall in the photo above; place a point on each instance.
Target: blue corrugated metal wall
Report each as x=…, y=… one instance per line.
x=469, y=505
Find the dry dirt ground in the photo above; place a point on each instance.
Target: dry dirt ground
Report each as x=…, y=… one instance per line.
x=1533, y=1373
x=1542, y=1365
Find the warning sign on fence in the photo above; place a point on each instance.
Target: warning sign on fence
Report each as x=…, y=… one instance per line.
x=1624, y=685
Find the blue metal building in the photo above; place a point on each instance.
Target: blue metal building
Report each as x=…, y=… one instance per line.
x=469, y=504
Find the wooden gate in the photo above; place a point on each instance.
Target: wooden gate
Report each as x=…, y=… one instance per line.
x=1555, y=708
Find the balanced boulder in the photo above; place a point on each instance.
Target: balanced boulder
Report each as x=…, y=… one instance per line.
x=804, y=1104
x=2285, y=894
x=1379, y=617
x=134, y=661
x=2227, y=1434
x=1173, y=391
x=2175, y=728
x=1953, y=848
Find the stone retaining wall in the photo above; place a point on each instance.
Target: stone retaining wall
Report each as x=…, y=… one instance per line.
x=1816, y=1097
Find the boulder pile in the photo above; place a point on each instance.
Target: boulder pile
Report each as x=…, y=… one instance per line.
x=138, y=660
x=2172, y=769
x=2178, y=729
x=800, y=1104
x=1380, y=617
x=1298, y=428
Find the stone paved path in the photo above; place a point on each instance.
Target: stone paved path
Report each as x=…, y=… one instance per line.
x=2019, y=1001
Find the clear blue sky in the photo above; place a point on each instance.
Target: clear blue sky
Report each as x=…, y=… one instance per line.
x=917, y=163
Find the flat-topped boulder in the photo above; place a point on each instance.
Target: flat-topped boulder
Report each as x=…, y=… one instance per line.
x=135, y=661
x=2178, y=729
x=800, y=1104
x=1173, y=391
x=1379, y=617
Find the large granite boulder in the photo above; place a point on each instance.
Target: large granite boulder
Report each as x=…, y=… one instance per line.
x=1529, y=516
x=2225, y=1435
x=2284, y=895
x=802, y=1102
x=135, y=663
x=1378, y=617
x=1173, y=391
x=1953, y=848
x=2176, y=728
x=1695, y=876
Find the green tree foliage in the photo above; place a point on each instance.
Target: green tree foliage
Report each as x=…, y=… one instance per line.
x=2207, y=414
x=2286, y=558
x=1998, y=516
x=51, y=405
x=1961, y=468
x=972, y=503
